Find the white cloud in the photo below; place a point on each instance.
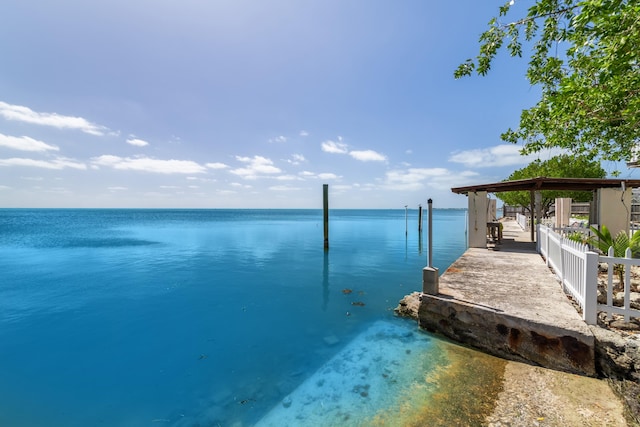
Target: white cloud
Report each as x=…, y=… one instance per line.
x=216, y=165
x=327, y=175
x=256, y=166
x=458, y=179
x=334, y=147
x=324, y=175
x=24, y=143
x=339, y=147
x=4, y=187
x=117, y=188
x=413, y=178
x=367, y=156
x=146, y=164
x=498, y=155
x=296, y=159
x=342, y=188
x=288, y=178
x=27, y=115
x=304, y=133
x=280, y=139
x=57, y=164
x=137, y=142
x=284, y=188
x=239, y=185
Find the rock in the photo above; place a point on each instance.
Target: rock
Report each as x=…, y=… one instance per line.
x=408, y=306
x=635, y=300
x=624, y=326
x=331, y=340
x=286, y=402
x=617, y=354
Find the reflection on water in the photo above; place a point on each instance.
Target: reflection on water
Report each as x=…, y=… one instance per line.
x=325, y=281
x=123, y=317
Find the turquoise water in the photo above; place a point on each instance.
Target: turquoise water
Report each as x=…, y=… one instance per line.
x=191, y=317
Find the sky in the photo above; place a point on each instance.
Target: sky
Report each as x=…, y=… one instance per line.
x=252, y=104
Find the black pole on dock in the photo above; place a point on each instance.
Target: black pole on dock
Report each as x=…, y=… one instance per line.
x=325, y=208
x=419, y=218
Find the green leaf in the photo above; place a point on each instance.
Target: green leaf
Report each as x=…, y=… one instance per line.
x=585, y=59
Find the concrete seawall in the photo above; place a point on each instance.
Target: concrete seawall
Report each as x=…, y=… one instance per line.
x=507, y=303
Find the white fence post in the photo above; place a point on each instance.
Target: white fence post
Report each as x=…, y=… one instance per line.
x=627, y=286
x=546, y=239
x=590, y=309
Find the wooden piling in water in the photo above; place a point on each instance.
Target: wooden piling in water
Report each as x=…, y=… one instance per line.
x=325, y=208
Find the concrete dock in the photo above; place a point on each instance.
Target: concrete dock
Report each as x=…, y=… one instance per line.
x=505, y=301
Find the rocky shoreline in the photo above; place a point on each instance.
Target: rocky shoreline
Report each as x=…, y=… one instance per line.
x=617, y=356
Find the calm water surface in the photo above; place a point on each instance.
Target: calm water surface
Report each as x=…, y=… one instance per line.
x=191, y=317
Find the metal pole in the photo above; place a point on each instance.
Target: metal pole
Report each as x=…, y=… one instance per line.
x=430, y=209
x=430, y=280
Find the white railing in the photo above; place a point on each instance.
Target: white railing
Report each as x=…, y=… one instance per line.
x=624, y=264
x=523, y=221
x=577, y=268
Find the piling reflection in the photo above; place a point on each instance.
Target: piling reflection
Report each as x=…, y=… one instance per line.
x=325, y=281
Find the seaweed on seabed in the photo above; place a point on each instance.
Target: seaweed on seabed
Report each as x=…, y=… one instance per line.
x=463, y=393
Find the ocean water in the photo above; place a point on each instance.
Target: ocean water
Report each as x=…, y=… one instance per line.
x=193, y=317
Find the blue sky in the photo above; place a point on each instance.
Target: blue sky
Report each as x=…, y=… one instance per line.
x=251, y=104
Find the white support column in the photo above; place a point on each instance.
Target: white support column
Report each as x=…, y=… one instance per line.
x=538, y=208
x=477, y=219
x=563, y=212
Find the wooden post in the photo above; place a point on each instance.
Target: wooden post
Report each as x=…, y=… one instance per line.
x=325, y=207
x=532, y=195
x=406, y=221
x=419, y=218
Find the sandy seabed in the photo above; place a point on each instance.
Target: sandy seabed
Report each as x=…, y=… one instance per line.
x=395, y=375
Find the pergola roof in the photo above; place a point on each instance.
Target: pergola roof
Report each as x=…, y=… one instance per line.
x=544, y=183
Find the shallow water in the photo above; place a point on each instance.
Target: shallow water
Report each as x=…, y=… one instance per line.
x=180, y=317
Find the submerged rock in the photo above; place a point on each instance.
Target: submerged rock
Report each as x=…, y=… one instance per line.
x=331, y=340
x=286, y=402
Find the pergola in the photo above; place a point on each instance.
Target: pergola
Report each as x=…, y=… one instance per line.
x=543, y=183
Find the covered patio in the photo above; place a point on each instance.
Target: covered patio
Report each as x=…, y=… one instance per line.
x=611, y=203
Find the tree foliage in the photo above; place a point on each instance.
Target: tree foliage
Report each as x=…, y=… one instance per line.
x=563, y=166
x=585, y=57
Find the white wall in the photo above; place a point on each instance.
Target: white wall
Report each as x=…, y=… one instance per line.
x=614, y=209
x=477, y=219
